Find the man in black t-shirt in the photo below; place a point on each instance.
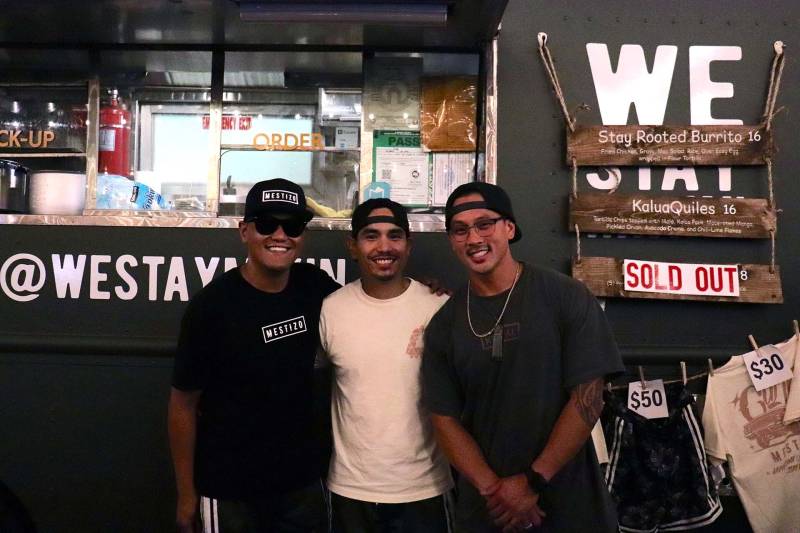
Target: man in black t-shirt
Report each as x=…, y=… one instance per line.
x=513, y=372
x=248, y=420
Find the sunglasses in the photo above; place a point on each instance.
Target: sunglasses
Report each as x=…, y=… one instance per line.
x=292, y=227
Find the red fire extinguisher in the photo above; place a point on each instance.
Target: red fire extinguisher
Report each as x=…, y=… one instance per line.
x=115, y=137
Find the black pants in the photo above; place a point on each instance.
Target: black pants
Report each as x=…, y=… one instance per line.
x=305, y=510
x=423, y=516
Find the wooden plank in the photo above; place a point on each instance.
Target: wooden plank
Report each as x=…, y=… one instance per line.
x=668, y=145
x=604, y=277
x=640, y=214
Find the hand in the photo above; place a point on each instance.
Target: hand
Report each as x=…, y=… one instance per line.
x=435, y=286
x=186, y=516
x=514, y=505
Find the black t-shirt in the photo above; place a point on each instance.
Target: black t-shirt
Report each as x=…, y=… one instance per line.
x=260, y=426
x=555, y=337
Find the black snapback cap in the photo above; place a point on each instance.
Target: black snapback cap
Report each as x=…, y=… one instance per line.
x=361, y=217
x=494, y=199
x=276, y=197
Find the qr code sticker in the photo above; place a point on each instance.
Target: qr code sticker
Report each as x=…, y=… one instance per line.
x=386, y=174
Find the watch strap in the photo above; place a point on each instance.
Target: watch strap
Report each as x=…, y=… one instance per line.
x=536, y=481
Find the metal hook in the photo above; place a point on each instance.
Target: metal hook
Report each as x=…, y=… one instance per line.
x=683, y=373
x=710, y=367
x=641, y=378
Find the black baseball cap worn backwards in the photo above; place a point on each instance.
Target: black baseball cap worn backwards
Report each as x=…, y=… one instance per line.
x=276, y=197
x=361, y=218
x=494, y=198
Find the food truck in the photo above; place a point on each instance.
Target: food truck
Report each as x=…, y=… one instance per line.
x=131, y=132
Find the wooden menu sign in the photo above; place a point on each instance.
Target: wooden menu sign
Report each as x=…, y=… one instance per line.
x=639, y=214
x=668, y=145
x=608, y=277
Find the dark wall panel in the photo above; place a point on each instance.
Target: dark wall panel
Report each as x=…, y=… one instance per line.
x=532, y=153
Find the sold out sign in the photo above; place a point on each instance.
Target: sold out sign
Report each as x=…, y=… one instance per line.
x=681, y=278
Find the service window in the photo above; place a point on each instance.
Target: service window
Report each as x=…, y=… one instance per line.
x=153, y=139
x=295, y=116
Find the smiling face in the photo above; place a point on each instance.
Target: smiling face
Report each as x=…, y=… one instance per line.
x=381, y=249
x=481, y=254
x=275, y=252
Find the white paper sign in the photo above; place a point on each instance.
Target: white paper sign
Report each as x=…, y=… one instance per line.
x=406, y=170
x=346, y=138
x=681, y=278
x=766, y=367
x=650, y=402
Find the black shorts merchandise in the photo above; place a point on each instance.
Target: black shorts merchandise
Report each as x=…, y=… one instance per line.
x=657, y=472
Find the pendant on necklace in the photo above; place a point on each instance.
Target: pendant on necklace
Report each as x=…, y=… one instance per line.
x=497, y=343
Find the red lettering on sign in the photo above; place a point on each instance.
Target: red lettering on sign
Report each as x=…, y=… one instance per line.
x=675, y=278
x=245, y=123
x=647, y=276
x=701, y=278
x=631, y=273
x=731, y=273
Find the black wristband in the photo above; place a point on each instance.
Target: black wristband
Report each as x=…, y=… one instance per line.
x=536, y=481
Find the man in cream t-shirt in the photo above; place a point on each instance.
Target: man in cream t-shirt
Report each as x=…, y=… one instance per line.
x=758, y=434
x=386, y=473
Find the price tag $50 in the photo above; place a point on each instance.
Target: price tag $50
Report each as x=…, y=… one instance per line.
x=650, y=402
x=766, y=367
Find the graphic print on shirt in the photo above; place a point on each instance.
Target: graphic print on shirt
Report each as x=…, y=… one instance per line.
x=283, y=329
x=414, y=347
x=510, y=333
x=763, y=414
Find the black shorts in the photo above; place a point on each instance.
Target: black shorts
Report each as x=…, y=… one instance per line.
x=657, y=472
x=304, y=510
x=431, y=515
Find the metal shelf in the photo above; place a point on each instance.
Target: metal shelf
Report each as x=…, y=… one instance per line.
x=39, y=154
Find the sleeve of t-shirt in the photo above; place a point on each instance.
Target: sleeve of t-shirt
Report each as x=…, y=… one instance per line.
x=713, y=438
x=588, y=347
x=195, y=346
x=441, y=391
x=327, y=284
x=792, y=413
x=321, y=359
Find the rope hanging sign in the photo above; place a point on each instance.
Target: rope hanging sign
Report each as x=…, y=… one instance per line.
x=642, y=214
x=669, y=145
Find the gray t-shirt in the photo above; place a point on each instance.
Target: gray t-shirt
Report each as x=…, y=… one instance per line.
x=555, y=337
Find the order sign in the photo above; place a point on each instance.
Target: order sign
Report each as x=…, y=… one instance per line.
x=681, y=278
x=766, y=367
x=649, y=402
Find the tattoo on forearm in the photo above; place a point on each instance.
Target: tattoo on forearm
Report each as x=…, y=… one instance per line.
x=588, y=399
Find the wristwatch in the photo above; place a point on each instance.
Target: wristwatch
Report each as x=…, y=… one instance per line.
x=536, y=481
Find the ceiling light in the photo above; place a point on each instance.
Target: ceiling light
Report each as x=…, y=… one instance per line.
x=364, y=13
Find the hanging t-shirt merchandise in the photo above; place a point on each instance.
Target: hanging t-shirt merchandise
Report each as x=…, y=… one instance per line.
x=757, y=433
x=260, y=355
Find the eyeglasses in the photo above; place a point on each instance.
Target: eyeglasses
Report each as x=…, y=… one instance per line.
x=483, y=227
x=292, y=227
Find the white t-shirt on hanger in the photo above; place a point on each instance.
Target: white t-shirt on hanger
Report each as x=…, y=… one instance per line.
x=746, y=428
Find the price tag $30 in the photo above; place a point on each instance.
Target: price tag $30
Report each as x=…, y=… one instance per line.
x=766, y=367
x=650, y=402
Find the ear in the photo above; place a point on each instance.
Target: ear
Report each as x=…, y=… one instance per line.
x=511, y=229
x=243, y=231
x=352, y=249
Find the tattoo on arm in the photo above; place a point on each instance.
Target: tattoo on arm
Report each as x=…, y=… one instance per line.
x=588, y=399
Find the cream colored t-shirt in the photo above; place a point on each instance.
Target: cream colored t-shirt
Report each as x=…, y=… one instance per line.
x=384, y=449
x=746, y=428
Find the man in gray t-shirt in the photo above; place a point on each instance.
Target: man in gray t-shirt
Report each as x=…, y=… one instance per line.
x=513, y=373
